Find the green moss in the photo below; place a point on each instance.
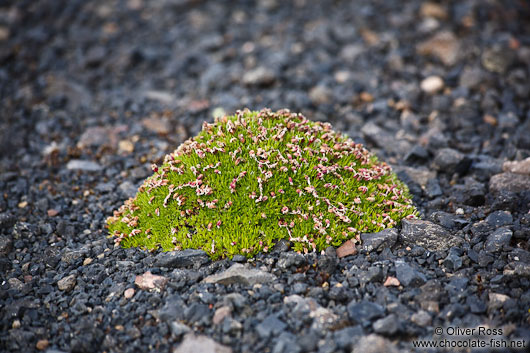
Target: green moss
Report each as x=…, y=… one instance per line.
x=248, y=180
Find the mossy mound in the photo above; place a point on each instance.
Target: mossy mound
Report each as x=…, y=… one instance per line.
x=248, y=180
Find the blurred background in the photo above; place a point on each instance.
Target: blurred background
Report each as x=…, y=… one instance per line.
x=122, y=82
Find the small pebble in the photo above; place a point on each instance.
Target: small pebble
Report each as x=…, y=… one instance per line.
x=432, y=84
x=42, y=344
x=128, y=293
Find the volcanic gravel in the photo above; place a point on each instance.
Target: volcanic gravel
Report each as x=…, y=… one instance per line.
x=93, y=92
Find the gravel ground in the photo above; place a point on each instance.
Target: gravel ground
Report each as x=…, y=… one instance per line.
x=93, y=92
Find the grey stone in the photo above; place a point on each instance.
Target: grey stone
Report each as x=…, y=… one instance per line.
x=308, y=307
x=239, y=258
x=374, y=344
x=286, y=343
x=65, y=229
x=184, y=258
x=328, y=262
x=364, y=312
x=15, y=283
x=521, y=269
x=421, y=318
x=387, y=326
x=193, y=344
x=408, y=276
x=372, y=274
x=416, y=178
x=433, y=188
x=23, y=230
x=510, y=182
x=378, y=241
x=496, y=301
x=199, y=314
x=472, y=193
x=299, y=288
x=448, y=160
x=498, y=239
x=497, y=59
x=271, y=326
x=472, y=77
x=178, y=328
x=347, y=336
x=7, y=220
x=235, y=301
x=85, y=166
x=105, y=187
x=281, y=246
x=428, y=235
x=67, y=283
x=70, y=256
x=476, y=305
x=453, y=261
x=499, y=218
x=416, y=153
x=238, y=273
x=446, y=220
x=518, y=167
x=6, y=244
x=259, y=76
x=485, y=258
x=383, y=138
x=289, y=259
x=172, y=310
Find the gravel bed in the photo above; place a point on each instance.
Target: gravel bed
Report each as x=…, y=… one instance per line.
x=93, y=92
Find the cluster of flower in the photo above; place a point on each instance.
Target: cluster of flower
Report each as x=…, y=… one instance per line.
x=278, y=175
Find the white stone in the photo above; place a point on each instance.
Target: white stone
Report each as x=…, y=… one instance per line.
x=432, y=84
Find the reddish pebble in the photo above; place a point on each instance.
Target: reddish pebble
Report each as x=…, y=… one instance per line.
x=128, y=294
x=150, y=281
x=391, y=281
x=220, y=314
x=52, y=212
x=348, y=248
x=42, y=345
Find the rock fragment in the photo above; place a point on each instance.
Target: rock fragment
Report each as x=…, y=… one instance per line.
x=238, y=273
x=432, y=84
x=200, y=343
x=347, y=248
x=260, y=76
x=409, y=276
x=185, y=258
x=510, y=182
x=379, y=241
x=428, y=235
x=443, y=45
x=518, y=167
x=148, y=281
x=85, y=166
x=374, y=344
x=67, y=283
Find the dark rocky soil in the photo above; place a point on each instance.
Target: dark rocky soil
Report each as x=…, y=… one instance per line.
x=93, y=92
